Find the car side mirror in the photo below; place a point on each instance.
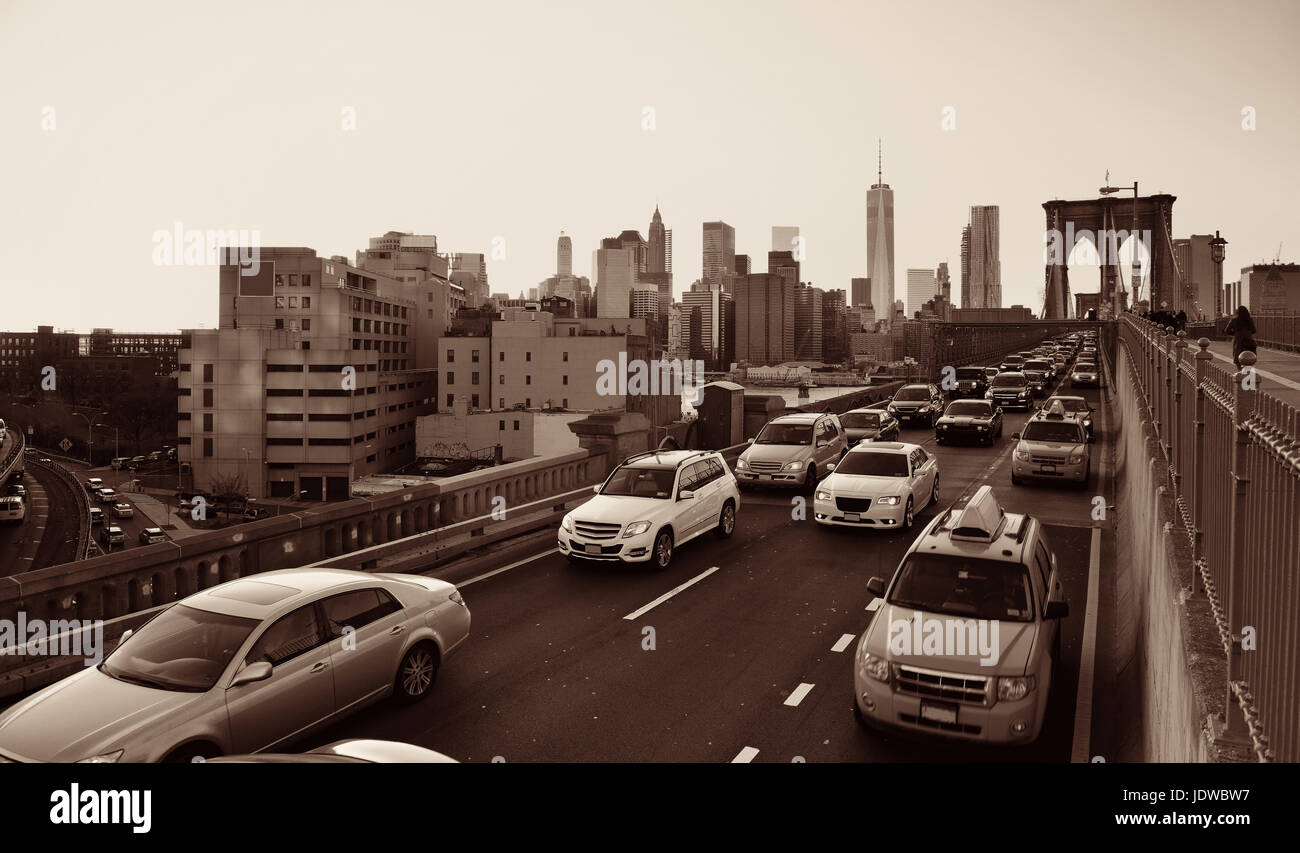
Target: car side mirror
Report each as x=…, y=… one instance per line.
x=596, y=488
x=1056, y=610
x=830, y=466
x=259, y=671
x=876, y=586
x=126, y=635
x=686, y=495
x=749, y=441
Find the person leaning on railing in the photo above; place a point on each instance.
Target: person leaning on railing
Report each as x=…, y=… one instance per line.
x=1242, y=329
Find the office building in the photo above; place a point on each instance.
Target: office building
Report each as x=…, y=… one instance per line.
x=880, y=242
x=860, y=291
x=985, y=263
x=943, y=282
x=441, y=288
x=1270, y=289
x=719, y=254
x=965, y=267
x=920, y=289
x=563, y=255
x=808, y=333
x=765, y=319
x=742, y=265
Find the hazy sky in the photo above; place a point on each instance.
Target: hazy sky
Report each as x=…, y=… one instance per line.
x=476, y=120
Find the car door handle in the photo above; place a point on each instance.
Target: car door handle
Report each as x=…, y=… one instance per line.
x=397, y=629
x=320, y=666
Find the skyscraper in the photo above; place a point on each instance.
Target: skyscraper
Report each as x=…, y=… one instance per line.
x=920, y=289
x=742, y=265
x=619, y=263
x=784, y=265
x=985, y=264
x=880, y=241
x=564, y=255
x=860, y=292
x=765, y=309
x=965, y=267
x=719, y=254
x=808, y=340
x=943, y=282
x=659, y=268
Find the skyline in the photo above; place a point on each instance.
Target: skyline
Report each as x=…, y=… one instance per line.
x=132, y=153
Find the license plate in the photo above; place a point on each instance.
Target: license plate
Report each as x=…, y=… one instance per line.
x=851, y=516
x=1047, y=469
x=592, y=549
x=939, y=713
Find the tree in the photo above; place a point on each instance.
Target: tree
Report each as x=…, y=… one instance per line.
x=228, y=488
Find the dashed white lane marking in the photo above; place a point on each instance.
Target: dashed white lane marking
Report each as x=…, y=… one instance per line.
x=513, y=565
x=874, y=605
x=745, y=756
x=843, y=642
x=798, y=695
x=670, y=593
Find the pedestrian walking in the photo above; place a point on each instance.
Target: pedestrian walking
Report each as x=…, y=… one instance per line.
x=1242, y=329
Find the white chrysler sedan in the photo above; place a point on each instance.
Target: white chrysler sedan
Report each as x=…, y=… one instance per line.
x=246, y=666
x=878, y=484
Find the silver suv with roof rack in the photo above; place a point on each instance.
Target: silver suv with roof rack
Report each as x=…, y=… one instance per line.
x=651, y=504
x=966, y=638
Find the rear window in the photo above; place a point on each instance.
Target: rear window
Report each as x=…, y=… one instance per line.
x=912, y=394
x=1009, y=381
x=973, y=408
x=860, y=420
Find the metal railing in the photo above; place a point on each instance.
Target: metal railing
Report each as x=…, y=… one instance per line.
x=15, y=453
x=1234, y=461
x=85, y=544
x=1278, y=331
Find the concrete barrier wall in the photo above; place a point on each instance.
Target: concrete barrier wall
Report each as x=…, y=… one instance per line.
x=1169, y=656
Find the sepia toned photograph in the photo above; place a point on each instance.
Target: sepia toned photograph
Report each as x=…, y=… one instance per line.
x=616, y=391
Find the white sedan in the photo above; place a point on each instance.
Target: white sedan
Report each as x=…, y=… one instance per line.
x=879, y=484
x=245, y=666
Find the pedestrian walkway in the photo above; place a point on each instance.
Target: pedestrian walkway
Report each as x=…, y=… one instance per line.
x=1278, y=372
x=160, y=512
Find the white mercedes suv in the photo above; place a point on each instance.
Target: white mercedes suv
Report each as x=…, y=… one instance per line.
x=650, y=505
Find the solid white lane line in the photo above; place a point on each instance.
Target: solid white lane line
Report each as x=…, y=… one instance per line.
x=513, y=565
x=1087, y=658
x=796, y=697
x=669, y=594
x=874, y=605
x=843, y=642
x=745, y=756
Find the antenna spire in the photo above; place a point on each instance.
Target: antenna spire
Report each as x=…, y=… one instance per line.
x=879, y=158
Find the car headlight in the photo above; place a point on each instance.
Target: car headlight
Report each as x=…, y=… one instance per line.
x=104, y=758
x=456, y=597
x=793, y=466
x=1018, y=687
x=1023, y=393
x=877, y=668
x=636, y=528
x=567, y=524
x=823, y=495
x=980, y=427
x=1022, y=455
x=1076, y=458
x=741, y=463
x=923, y=409
x=889, y=500
x=988, y=395
x=890, y=408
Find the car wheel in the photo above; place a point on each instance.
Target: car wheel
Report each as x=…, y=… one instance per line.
x=663, y=553
x=907, y=515
x=934, y=490
x=1015, y=481
x=192, y=752
x=726, y=521
x=416, y=673
x=810, y=479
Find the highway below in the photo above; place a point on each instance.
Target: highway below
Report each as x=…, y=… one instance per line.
x=752, y=661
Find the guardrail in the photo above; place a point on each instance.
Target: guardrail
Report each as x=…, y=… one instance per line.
x=1278, y=331
x=85, y=545
x=1234, y=462
x=17, y=445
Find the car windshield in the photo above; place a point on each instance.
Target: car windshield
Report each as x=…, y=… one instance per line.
x=785, y=434
x=1084, y=366
x=860, y=420
x=874, y=464
x=1037, y=364
x=182, y=648
x=964, y=586
x=1005, y=381
x=1061, y=432
x=1078, y=404
x=637, y=482
x=970, y=407
x=912, y=394
x=1033, y=374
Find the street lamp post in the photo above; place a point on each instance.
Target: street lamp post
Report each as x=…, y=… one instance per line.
x=1218, y=249
x=1108, y=190
x=90, y=435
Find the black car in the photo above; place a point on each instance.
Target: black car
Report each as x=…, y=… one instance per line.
x=970, y=382
x=1010, y=389
x=869, y=425
x=977, y=421
x=916, y=404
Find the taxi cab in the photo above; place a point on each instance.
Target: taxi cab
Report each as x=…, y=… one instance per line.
x=1052, y=446
x=966, y=638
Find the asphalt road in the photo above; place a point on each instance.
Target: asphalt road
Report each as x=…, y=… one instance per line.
x=48, y=535
x=553, y=671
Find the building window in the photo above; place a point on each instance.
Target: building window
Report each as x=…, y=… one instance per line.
x=501, y=425
x=279, y=324
x=528, y=356
x=306, y=282
x=293, y=300
x=501, y=356
x=207, y=373
x=451, y=400
x=306, y=324
x=528, y=380
x=473, y=355
x=516, y=426
x=293, y=279
x=501, y=403
x=564, y=404
x=306, y=344
x=473, y=400
x=566, y=380
x=451, y=377
x=207, y=422
x=528, y=402
x=473, y=378
x=279, y=302
x=207, y=446
x=279, y=279
x=207, y=398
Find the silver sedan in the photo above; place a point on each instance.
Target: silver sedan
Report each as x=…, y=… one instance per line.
x=244, y=667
